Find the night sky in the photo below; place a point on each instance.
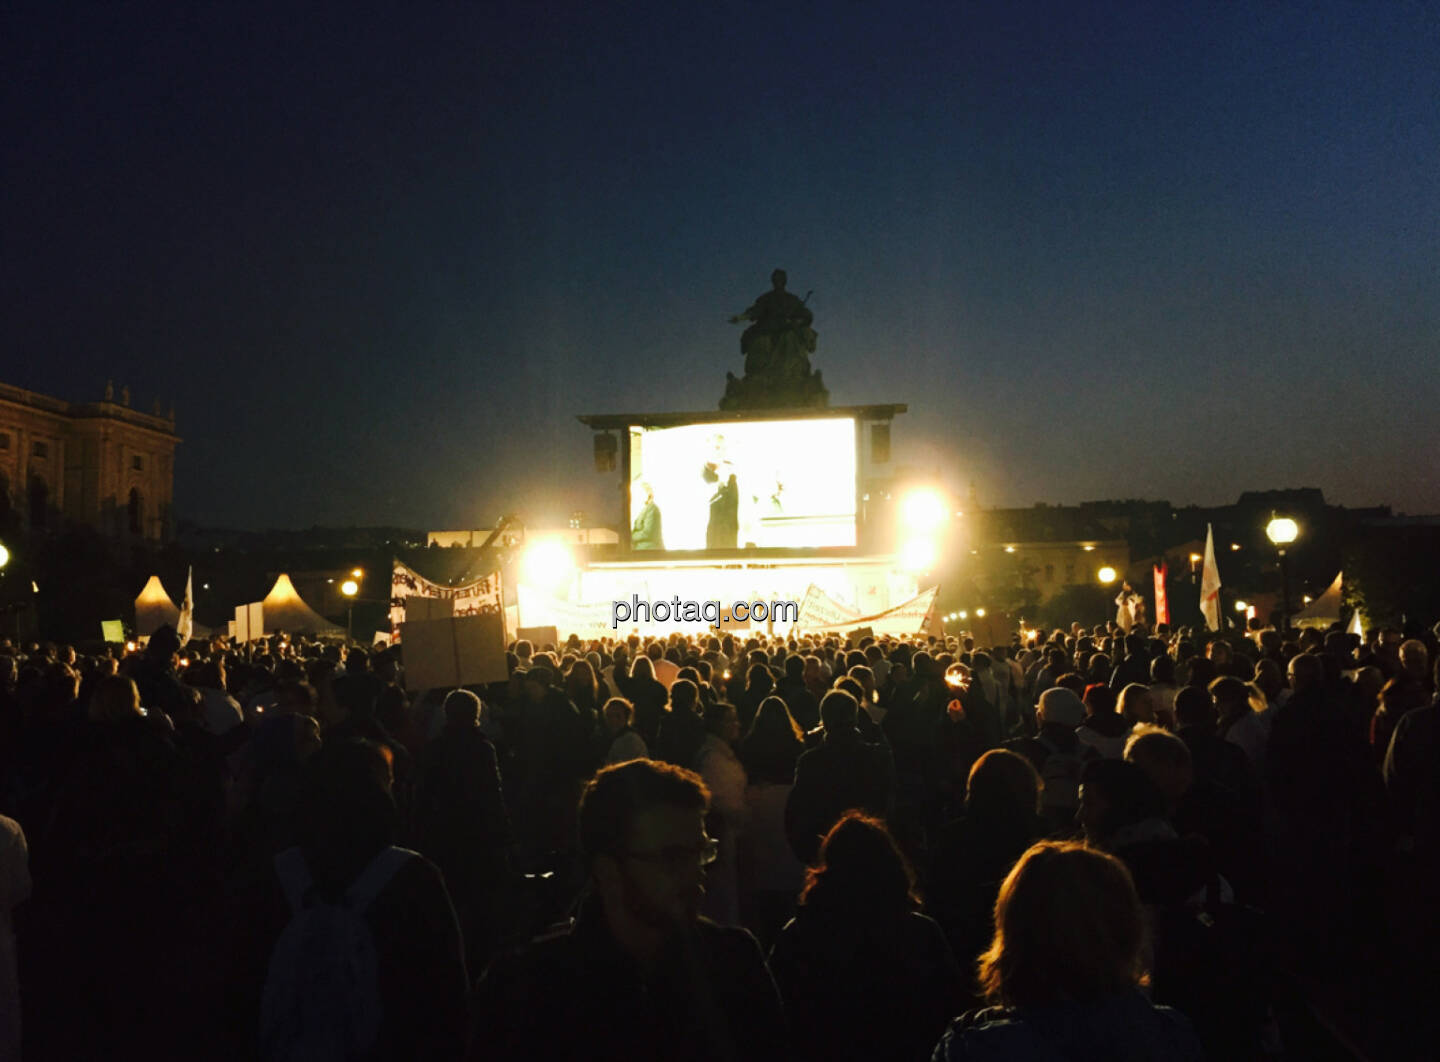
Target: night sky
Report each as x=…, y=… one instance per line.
x=379, y=257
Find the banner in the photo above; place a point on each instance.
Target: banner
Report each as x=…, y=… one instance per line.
x=479, y=598
x=1162, y=602
x=820, y=611
x=905, y=619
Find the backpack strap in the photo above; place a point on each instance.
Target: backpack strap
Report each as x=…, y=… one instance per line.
x=375, y=877
x=294, y=877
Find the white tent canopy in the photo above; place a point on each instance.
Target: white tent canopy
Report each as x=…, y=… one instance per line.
x=285, y=610
x=1324, y=610
x=154, y=609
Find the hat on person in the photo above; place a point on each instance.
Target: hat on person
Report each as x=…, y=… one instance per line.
x=1060, y=705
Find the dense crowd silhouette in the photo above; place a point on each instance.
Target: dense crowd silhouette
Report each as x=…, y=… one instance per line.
x=1154, y=844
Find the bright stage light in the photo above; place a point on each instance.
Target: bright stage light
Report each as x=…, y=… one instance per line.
x=548, y=565
x=980, y=612
x=1241, y=606
x=349, y=588
x=1107, y=575
x=4, y=555
x=964, y=614
x=923, y=510
x=918, y=555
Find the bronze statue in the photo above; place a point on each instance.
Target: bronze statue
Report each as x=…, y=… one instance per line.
x=777, y=348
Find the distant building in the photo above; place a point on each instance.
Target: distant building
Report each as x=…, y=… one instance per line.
x=99, y=464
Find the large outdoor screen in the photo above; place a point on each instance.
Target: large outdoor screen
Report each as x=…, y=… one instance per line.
x=758, y=484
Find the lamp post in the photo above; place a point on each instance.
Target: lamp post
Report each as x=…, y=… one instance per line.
x=1281, y=530
x=349, y=588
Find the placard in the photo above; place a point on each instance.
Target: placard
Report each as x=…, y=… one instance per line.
x=460, y=651
x=428, y=608
x=112, y=632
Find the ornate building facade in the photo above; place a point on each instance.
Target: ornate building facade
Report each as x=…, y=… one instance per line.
x=98, y=464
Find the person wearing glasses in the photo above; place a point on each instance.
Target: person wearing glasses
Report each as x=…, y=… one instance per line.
x=637, y=973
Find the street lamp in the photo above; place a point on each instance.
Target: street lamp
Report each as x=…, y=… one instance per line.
x=1282, y=531
x=349, y=588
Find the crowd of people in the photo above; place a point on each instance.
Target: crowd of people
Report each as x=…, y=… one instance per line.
x=1154, y=844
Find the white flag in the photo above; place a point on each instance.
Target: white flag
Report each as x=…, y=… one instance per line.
x=1210, y=583
x=185, y=625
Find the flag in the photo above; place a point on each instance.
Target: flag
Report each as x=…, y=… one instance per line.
x=185, y=625
x=1162, y=603
x=1210, y=583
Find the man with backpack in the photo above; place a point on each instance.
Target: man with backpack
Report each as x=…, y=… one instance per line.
x=364, y=952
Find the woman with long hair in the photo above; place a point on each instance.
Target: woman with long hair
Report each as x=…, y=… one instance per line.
x=772, y=744
x=648, y=695
x=1065, y=967
x=583, y=689
x=770, y=875
x=864, y=974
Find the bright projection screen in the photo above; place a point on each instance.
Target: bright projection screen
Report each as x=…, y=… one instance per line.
x=756, y=484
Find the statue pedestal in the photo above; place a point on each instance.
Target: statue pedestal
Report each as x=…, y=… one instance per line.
x=769, y=391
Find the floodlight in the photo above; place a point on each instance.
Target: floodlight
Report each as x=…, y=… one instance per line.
x=547, y=565
x=1242, y=606
x=349, y=588
x=4, y=555
x=964, y=614
x=980, y=613
x=1107, y=575
x=923, y=510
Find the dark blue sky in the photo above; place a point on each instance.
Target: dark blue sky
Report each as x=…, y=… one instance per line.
x=380, y=257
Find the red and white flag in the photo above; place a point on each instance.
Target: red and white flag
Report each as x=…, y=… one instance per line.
x=1162, y=602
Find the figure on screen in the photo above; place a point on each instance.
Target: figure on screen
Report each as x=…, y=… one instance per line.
x=723, y=530
x=646, y=532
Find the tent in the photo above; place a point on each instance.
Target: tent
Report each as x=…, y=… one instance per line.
x=154, y=609
x=1324, y=610
x=285, y=610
